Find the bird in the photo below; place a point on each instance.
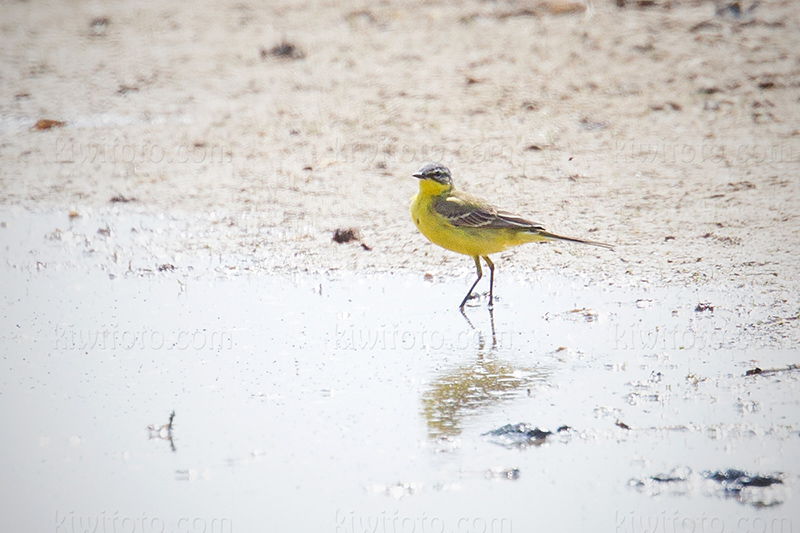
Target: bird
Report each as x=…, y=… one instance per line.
x=469, y=225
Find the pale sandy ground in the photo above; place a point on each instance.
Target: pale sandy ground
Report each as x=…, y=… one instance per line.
x=668, y=128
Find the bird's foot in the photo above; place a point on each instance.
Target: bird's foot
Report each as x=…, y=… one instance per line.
x=474, y=299
x=490, y=299
x=472, y=296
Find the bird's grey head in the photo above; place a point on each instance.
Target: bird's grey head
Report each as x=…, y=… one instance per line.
x=436, y=172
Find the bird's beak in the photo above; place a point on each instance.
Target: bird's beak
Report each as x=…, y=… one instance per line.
x=418, y=176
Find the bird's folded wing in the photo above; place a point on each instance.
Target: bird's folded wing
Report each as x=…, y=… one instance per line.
x=470, y=212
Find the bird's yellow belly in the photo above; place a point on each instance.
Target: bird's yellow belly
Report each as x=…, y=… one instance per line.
x=463, y=240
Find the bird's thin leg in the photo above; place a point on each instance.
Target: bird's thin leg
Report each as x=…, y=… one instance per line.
x=480, y=275
x=491, y=279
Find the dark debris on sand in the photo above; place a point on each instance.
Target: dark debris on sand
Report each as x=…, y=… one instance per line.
x=345, y=235
x=284, y=50
x=119, y=199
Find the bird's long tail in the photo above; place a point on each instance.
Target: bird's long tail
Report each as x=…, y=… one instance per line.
x=553, y=236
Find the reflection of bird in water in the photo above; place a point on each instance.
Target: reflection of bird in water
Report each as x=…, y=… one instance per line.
x=470, y=389
x=491, y=322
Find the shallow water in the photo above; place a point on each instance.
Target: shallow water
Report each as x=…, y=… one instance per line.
x=358, y=403
x=368, y=397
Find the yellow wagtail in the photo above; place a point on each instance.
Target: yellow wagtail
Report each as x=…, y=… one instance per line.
x=470, y=225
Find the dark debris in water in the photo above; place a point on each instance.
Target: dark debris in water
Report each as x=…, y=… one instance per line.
x=758, y=490
x=519, y=435
x=735, y=480
x=758, y=371
x=704, y=306
x=667, y=478
x=163, y=432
